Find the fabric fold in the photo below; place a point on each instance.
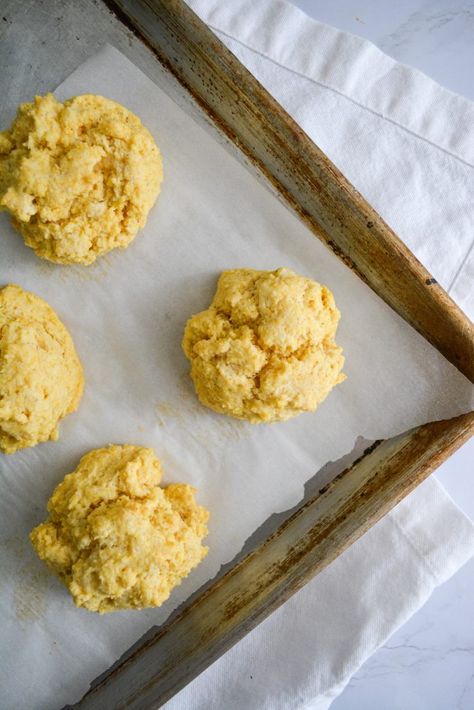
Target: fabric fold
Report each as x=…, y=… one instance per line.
x=349, y=65
x=342, y=89
x=304, y=654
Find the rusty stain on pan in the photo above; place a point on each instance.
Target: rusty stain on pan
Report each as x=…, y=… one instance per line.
x=306, y=179
x=312, y=537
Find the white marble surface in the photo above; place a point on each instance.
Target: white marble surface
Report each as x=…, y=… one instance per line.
x=428, y=664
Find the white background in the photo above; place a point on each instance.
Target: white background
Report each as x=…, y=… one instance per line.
x=429, y=662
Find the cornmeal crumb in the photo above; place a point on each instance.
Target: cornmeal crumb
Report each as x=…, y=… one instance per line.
x=114, y=537
x=264, y=350
x=79, y=177
x=41, y=378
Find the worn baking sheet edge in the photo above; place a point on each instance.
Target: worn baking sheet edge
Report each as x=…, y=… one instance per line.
x=312, y=537
x=302, y=174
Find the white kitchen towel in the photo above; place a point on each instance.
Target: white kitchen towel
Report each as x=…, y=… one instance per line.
x=407, y=144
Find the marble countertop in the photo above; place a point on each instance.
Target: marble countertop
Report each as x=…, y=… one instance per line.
x=429, y=662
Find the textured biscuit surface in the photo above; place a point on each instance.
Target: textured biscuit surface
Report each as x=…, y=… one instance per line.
x=115, y=537
x=264, y=350
x=41, y=377
x=78, y=178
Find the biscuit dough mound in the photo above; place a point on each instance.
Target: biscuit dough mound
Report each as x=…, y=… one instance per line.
x=78, y=177
x=115, y=538
x=41, y=377
x=264, y=350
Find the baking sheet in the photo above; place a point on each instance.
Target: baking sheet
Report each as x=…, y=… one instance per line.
x=126, y=314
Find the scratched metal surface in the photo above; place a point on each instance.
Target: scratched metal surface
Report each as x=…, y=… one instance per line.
x=43, y=41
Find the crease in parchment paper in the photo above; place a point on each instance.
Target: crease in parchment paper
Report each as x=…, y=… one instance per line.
x=127, y=314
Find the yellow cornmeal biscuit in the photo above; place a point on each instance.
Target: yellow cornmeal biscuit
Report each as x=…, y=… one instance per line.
x=264, y=350
x=78, y=178
x=41, y=377
x=115, y=538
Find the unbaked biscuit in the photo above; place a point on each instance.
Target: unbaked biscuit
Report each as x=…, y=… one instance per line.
x=78, y=178
x=41, y=377
x=114, y=537
x=264, y=350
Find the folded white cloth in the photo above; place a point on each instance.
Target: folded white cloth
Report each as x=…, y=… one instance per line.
x=408, y=145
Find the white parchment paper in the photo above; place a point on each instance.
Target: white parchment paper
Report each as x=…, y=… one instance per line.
x=126, y=314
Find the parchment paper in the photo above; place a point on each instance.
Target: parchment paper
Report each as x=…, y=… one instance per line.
x=126, y=314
